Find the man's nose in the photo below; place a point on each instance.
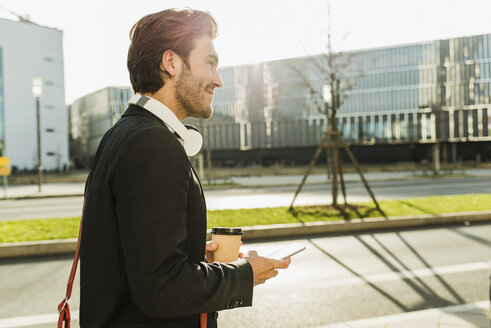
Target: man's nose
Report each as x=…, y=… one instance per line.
x=217, y=80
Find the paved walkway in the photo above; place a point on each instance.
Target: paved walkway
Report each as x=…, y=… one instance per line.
x=61, y=189
x=47, y=190
x=467, y=315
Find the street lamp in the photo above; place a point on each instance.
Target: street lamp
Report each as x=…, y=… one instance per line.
x=37, y=92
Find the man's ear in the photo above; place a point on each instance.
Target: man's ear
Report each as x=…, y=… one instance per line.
x=171, y=62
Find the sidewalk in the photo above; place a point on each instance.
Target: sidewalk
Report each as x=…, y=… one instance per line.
x=76, y=189
x=47, y=190
x=468, y=315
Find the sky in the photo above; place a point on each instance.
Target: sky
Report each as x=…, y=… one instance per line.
x=96, y=41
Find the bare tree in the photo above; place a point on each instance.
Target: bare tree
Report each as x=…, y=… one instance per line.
x=331, y=68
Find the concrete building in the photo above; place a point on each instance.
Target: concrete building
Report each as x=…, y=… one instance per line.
x=90, y=117
x=28, y=50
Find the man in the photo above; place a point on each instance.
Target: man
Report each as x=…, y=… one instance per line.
x=142, y=255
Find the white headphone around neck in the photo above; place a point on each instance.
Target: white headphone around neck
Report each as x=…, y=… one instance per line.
x=191, y=139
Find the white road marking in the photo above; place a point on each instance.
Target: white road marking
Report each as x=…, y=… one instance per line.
x=407, y=274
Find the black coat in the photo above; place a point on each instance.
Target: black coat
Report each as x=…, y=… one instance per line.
x=144, y=234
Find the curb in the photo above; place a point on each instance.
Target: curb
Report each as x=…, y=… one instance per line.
x=362, y=225
x=67, y=246
x=36, y=248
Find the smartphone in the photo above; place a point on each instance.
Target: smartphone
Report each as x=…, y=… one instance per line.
x=286, y=251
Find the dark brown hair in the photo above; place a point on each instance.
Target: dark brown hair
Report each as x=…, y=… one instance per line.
x=155, y=33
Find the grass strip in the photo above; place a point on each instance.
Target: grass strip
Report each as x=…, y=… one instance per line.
x=62, y=228
x=38, y=229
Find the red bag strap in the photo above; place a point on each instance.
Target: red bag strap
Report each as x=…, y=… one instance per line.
x=202, y=320
x=63, y=308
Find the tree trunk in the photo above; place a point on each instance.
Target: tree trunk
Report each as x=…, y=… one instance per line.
x=436, y=159
x=334, y=165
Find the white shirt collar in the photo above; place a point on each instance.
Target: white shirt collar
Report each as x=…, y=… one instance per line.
x=190, y=138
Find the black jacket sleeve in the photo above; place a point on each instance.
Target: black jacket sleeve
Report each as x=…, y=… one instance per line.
x=150, y=182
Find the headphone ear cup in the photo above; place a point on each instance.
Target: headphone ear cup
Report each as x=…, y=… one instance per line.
x=193, y=142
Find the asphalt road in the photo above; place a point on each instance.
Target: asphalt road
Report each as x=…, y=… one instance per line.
x=268, y=196
x=336, y=279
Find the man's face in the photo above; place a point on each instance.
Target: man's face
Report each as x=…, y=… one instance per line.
x=196, y=82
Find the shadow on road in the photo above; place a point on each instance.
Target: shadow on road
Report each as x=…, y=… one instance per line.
x=465, y=234
x=430, y=298
x=449, y=288
x=374, y=286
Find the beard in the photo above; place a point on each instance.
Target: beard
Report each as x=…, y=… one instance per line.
x=190, y=94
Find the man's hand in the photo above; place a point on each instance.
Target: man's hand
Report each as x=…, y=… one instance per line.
x=265, y=268
x=211, y=247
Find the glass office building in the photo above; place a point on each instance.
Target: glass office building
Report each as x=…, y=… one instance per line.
x=417, y=94
x=89, y=119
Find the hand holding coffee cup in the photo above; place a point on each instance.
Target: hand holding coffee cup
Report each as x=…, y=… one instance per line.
x=228, y=241
x=210, y=249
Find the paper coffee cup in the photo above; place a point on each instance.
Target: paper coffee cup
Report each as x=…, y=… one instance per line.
x=228, y=241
